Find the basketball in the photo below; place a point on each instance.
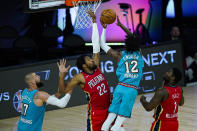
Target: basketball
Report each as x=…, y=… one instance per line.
x=108, y=16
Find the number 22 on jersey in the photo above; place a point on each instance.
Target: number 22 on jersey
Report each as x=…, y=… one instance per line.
x=101, y=89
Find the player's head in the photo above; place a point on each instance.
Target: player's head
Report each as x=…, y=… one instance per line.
x=32, y=79
x=132, y=43
x=173, y=76
x=86, y=62
x=175, y=31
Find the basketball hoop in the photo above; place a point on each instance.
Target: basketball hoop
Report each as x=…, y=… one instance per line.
x=83, y=20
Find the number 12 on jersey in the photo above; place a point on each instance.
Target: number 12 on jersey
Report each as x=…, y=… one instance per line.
x=133, y=69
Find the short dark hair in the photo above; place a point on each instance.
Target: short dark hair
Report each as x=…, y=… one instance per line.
x=80, y=61
x=132, y=43
x=179, y=27
x=177, y=73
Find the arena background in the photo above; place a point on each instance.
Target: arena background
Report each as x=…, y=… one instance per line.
x=158, y=59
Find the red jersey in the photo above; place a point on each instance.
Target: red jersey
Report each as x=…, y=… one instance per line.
x=168, y=109
x=97, y=90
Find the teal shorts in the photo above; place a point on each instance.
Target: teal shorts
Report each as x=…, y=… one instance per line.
x=123, y=100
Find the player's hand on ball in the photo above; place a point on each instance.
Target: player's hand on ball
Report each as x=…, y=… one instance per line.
x=92, y=15
x=142, y=98
x=61, y=65
x=103, y=24
x=118, y=21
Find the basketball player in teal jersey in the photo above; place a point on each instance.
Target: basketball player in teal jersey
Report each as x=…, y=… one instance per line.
x=129, y=73
x=34, y=103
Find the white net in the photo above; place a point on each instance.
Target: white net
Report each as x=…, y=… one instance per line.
x=83, y=20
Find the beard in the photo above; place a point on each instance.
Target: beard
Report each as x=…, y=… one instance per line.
x=40, y=84
x=93, y=67
x=166, y=80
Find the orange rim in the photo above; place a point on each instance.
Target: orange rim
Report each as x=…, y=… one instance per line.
x=70, y=2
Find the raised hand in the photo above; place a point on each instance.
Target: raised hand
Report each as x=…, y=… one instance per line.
x=103, y=24
x=118, y=21
x=92, y=15
x=61, y=65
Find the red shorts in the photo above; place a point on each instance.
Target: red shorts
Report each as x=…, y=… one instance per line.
x=96, y=119
x=164, y=126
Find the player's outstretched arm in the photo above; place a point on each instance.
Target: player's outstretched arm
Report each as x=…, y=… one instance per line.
x=96, y=45
x=123, y=27
x=181, y=103
x=52, y=100
x=95, y=39
x=154, y=102
x=62, y=69
x=76, y=80
x=68, y=87
x=115, y=54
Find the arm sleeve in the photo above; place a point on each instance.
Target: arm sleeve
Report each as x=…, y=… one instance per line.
x=104, y=46
x=52, y=100
x=95, y=39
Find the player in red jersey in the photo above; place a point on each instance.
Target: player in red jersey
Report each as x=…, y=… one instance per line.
x=92, y=82
x=165, y=102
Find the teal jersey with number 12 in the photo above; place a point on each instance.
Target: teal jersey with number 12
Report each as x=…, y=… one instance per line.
x=130, y=68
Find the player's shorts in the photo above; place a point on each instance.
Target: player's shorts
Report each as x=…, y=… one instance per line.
x=164, y=126
x=96, y=119
x=123, y=100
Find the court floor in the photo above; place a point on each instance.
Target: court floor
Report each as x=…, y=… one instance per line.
x=74, y=118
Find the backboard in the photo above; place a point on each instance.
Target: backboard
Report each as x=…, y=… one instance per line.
x=33, y=6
